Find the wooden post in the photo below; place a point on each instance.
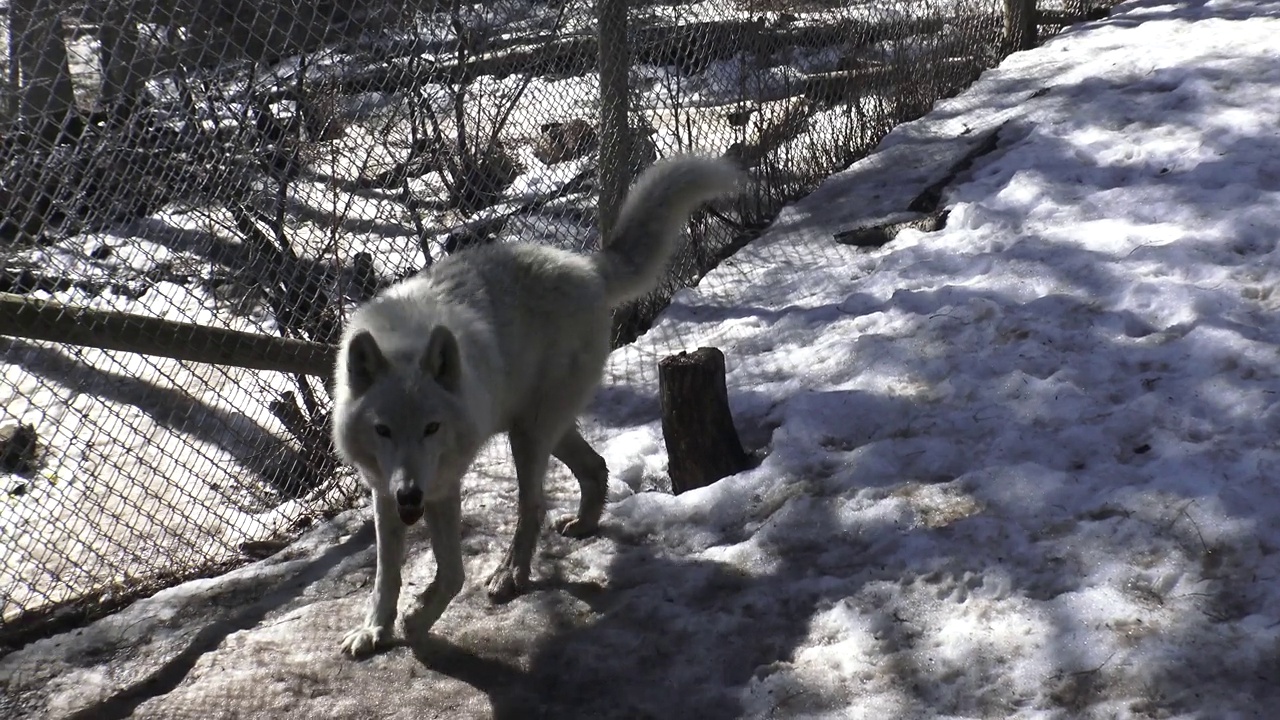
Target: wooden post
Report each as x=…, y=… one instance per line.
x=702, y=443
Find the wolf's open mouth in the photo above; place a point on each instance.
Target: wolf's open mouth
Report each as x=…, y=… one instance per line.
x=410, y=515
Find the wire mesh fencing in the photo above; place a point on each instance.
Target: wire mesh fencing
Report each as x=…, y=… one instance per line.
x=193, y=195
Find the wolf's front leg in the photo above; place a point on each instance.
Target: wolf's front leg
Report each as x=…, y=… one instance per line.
x=381, y=613
x=444, y=521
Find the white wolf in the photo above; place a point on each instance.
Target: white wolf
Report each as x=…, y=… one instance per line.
x=503, y=338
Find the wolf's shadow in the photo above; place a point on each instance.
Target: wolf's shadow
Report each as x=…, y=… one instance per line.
x=645, y=649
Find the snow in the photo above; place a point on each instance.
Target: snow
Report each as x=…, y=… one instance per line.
x=1019, y=467
x=1022, y=466
x=146, y=470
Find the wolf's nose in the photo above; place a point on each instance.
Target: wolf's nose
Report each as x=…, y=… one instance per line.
x=409, y=497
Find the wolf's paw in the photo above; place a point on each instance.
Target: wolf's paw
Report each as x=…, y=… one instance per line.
x=364, y=640
x=417, y=623
x=507, y=583
x=572, y=526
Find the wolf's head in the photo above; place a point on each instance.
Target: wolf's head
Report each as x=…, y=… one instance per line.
x=400, y=419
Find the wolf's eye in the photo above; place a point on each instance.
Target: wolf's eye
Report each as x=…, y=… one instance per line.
x=382, y=430
x=431, y=429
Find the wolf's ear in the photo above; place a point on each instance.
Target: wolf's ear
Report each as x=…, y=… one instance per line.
x=441, y=359
x=365, y=362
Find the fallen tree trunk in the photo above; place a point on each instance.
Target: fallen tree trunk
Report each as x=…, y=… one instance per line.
x=841, y=86
x=25, y=317
x=689, y=47
x=874, y=232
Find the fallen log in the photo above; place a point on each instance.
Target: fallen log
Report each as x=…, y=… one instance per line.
x=33, y=319
x=690, y=47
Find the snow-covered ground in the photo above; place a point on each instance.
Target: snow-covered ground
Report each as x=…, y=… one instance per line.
x=149, y=466
x=1025, y=466
x=1022, y=467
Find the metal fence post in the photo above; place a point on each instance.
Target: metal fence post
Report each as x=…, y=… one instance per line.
x=1019, y=24
x=615, y=145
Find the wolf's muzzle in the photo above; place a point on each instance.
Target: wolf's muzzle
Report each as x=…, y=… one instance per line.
x=409, y=505
x=410, y=515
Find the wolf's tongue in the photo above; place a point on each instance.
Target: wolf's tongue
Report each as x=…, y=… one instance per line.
x=410, y=515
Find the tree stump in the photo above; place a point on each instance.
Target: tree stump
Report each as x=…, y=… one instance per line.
x=702, y=443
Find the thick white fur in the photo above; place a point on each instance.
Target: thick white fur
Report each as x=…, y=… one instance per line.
x=503, y=338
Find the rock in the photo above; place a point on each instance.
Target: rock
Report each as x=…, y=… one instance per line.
x=565, y=141
x=17, y=447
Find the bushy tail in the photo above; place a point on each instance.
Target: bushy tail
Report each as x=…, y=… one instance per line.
x=648, y=226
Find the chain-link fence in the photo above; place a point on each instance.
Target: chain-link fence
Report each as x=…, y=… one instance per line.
x=194, y=194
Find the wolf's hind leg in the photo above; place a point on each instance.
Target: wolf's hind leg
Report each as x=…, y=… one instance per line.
x=593, y=481
x=532, y=453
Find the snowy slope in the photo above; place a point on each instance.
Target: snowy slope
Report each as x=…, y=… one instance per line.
x=1022, y=467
